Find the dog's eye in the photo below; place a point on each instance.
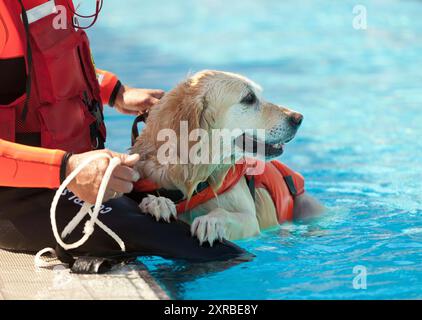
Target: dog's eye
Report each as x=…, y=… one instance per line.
x=249, y=99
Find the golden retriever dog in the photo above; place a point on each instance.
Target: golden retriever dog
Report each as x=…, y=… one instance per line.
x=212, y=100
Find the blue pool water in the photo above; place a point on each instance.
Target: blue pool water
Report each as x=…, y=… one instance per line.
x=360, y=147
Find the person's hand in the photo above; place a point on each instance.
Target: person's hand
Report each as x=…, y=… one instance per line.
x=87, y=183
x=136, y=101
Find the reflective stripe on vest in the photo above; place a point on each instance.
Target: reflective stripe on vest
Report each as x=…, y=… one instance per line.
x=41, y=11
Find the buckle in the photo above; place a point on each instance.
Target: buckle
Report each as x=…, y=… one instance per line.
x=94, y=108
x=97, y=113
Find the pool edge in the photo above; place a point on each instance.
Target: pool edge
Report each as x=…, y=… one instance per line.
x=21, y=280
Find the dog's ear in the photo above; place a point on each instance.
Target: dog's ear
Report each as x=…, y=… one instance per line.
x=186, y=104
x=183, y=103
x=180, y=107
x=193, y=109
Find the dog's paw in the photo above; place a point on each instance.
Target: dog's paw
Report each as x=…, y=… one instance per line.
x=159, y=207
x=208, y=228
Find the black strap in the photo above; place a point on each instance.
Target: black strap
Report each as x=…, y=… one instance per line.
x=252, y=188
x=291, y=185
x=178, y=196
x=113, y=96
x=63, y=166
x=95, y=109
x=135, y=130
x=288, y=179
x=29, y=62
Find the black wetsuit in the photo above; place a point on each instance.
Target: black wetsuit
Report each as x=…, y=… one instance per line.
x=25, y=226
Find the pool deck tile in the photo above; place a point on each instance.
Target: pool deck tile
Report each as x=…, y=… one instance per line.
x=21, y=280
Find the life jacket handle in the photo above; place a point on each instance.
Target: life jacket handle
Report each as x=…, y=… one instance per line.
x=135, y=131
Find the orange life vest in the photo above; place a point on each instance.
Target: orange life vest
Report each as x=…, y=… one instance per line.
x=64, y=104
x=282, y=183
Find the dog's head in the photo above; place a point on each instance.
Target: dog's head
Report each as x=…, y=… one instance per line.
x=212, y=100
x=234, y=102
x=222, y=100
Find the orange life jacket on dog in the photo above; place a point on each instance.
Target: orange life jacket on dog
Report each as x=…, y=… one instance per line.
x=63, y=102
x=282, y=183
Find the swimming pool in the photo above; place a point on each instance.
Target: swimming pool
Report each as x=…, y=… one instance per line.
x=360, y=146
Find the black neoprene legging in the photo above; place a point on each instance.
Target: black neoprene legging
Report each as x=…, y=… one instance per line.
x=25, y=226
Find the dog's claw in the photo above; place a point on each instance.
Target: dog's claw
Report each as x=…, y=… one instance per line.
x=159, y=207
x=208, y=228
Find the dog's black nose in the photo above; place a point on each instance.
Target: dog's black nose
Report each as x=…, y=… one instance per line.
x=296, y=119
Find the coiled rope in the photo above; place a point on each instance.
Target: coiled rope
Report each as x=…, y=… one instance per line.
x=85, y=209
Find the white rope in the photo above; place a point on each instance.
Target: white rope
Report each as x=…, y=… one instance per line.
x=39, y=263
x=85, y=209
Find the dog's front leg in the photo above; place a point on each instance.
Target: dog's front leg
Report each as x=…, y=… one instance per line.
x=230, y=216
x=159, y=207
x=221, y=224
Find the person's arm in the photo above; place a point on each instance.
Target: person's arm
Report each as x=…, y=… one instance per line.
x=125, y=99
x=23, y=166
x=29, y=167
